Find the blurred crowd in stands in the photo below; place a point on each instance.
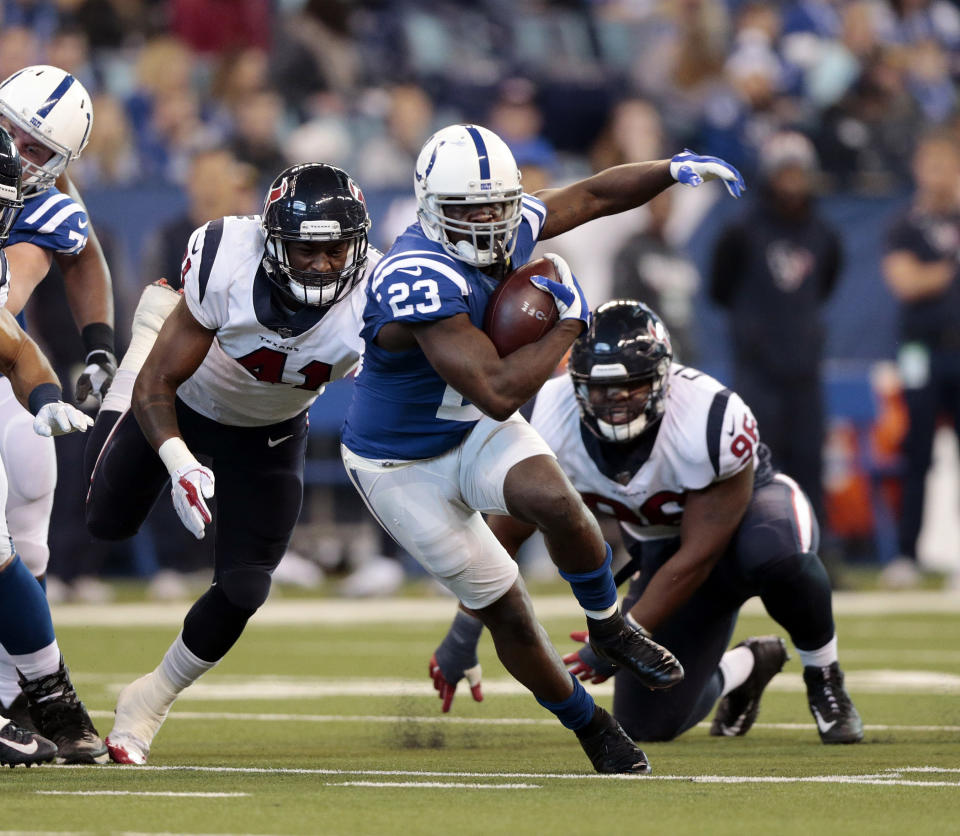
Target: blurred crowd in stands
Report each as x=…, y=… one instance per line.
x=214, y=97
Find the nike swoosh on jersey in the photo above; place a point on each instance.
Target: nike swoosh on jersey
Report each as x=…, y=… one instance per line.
x=26, y=748
x=82, y=224
x=273, y=442
x=416, y=271
x=194, y=249
x=821, y=723
x=733, y=426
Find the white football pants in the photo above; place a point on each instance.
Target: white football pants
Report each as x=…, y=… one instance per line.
x=433, y=507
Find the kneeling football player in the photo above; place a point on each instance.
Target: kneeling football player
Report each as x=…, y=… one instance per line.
x=677, y=458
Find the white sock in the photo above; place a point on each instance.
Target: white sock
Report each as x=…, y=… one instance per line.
x=9, y=681
x=599, y=615
x=181, y=667
x=39, y=663
x=735, y=666
x=826, y=655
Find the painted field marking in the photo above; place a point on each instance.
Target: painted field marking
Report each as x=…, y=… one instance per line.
x=232, y=687
x=146, y=792
x=443, y=785
x=245, y=717
x=337, y=612
x=885, y=778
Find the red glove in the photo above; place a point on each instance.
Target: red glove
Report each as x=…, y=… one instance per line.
x=446, y=690
x=585, y=664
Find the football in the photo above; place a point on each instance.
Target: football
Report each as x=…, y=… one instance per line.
x=518, y=312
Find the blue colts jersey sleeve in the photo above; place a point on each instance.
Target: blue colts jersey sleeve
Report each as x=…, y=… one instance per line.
x=52, y=221
x=402, y=409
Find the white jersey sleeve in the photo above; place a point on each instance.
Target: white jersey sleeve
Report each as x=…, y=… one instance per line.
x=205, y=290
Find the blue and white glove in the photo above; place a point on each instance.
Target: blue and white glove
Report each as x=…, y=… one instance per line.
x=59, y=418
x=692, y=170
x=98, y=374
x=571, y=303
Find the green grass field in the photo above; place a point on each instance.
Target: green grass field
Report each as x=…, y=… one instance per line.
x=317, y=724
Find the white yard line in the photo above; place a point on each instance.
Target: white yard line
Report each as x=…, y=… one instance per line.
x=146, y=792
x=392, y=610
x=285, y=688
x=891, y=777
x=443, y=785
x=245, y=717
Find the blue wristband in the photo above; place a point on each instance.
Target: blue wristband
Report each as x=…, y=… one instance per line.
x=42, y=395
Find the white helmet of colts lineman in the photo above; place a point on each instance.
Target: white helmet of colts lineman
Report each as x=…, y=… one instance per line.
x=464, y=164
x=54, y=108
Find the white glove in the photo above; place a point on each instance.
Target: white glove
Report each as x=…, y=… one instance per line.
x=571, y=303
x=190, y=484
x=59, y=418
x=692, y=170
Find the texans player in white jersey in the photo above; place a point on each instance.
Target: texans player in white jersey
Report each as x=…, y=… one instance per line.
x=270, y=312
x=26, y=629
x=432, y=438
x=676, y=457
x=49, y=114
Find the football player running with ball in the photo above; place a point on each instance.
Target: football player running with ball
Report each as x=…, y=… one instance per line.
x=432, y=438
x=26, y=628
x=270, y=312
x=676, y=457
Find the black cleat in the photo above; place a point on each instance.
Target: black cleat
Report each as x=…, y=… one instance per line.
x=610, y=749
x=19, y=746
x=19, y=712
x=59, y=715
x=615, y=640
x=831, y=706
x=737, y=711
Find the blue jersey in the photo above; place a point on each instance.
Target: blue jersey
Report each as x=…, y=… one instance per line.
x=401, y=408
x=53, y=221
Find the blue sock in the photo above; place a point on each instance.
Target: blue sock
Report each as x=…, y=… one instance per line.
x=25, y=623
x=594, y=590
x=576, y=710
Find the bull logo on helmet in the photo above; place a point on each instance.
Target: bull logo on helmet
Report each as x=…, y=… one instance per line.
x=356, y=191
x=277, y=192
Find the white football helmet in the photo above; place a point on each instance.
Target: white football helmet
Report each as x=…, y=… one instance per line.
x=55, y=109
x=468, y=164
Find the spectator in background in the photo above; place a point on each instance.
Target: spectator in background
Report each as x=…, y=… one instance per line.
x=405, y=121
x=773, y=270
x=19, y=48
x=651, y=269
x=866, y=138
x=755, y=105
x=518, y=120
x=920, y=267
x=110, y=158
x=217, y=185
x=256, y=134
x=221, y=25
